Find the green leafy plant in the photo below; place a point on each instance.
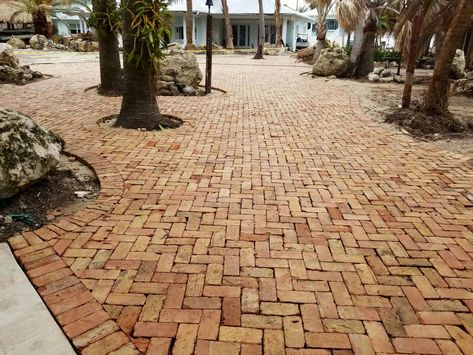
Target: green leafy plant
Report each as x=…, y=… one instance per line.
x=382, y=55
x=111, y=18
x=151, y=25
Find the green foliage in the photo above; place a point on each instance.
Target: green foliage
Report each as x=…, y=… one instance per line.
x=151, y=25
x=382, y=55
x=110, y=19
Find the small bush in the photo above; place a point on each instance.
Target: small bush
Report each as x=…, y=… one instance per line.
x=383, y=55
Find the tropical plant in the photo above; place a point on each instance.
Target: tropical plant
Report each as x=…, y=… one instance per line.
x=437, y=97
x=146, y=24
x=40, y=10
x=228, y=26
x=106, y=19
x=259, y=52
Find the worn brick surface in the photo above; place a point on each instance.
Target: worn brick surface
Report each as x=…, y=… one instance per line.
x=278, y=218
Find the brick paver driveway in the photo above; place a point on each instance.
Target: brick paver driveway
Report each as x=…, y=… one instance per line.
x=278, y=219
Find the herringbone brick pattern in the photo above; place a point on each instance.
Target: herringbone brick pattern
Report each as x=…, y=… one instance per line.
x=278, y=219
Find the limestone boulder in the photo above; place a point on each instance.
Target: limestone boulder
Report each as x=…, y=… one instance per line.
x=182, y=66
x=306, y=54
x=179, y=69
x=458, y=65
x=38, y=42
x=17, y=43
x=332, y=61
x=7, y=57
x=27, y=152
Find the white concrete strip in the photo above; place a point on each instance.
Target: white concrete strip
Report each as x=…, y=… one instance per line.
x=26, y=326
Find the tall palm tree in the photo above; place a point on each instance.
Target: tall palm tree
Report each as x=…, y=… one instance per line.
x=40, y=10
x=436, y=99
x=259, y=52
x=145, y=25
x=189, y=25
x=228, y=26
x=278, y=23
x=105, y=19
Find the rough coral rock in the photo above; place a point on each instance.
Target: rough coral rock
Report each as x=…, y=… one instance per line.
x=7, y=57
x=178, y=70
x=27, y=152
x=332, y=61
x=458, y=65
x=17, y=43
x=38, y=42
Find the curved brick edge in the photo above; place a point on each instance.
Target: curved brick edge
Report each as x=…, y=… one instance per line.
x=84, y=321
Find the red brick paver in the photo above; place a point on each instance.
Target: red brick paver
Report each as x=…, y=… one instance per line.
x=278, y=219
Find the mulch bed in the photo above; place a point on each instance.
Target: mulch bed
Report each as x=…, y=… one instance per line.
x=45, y=201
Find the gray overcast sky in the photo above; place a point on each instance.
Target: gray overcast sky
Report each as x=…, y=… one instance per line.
x=293, y=3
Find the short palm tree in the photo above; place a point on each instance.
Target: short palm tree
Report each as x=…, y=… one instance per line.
x=105, y=18
x=40, y=10
x=348, y=12
x=146, y=24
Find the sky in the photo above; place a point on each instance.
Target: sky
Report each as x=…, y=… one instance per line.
x=293, y=3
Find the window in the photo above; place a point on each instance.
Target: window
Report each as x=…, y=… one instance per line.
x=74, y=28
x=179, y=32
x=309, y=25
x=314, y=28
x=332, y=25
x=270, y=34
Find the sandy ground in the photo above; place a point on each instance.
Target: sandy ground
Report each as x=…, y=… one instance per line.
x=378, y=99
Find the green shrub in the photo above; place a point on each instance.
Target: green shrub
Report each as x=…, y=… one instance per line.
x=383, y=55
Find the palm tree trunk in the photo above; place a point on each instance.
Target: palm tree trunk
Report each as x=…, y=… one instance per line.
x=436, y=99
x=41, y=24
x=228, y=26
x=111, y=81
x=412, y=58
x=259, y=52
x=139, y=106
x=321, y=36
x=278, y=23
x=364, y=63
x=348, y=40
x=189, y=26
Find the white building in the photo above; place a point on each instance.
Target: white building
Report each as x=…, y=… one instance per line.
x=337, y=34
x=243, y=14
x=244, y=18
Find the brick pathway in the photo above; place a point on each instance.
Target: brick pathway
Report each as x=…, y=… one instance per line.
x=278, y=219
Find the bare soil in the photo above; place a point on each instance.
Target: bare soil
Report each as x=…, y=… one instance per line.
x=65, y=190
x=381, y=100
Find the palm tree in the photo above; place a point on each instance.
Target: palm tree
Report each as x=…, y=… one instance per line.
x=105, y=20
x=349, y=14
x=145, y=25
x=259, y=52
x=40, y=10
x=436, y=99
x=419, y=21
x=189, y=25
x=277, y=20
x=228, y=26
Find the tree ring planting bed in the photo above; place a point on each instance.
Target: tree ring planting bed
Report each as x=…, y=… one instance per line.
x=70, y=187
x=109, y=122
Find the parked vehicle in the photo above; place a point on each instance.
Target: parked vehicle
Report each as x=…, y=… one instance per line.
x=302, y=41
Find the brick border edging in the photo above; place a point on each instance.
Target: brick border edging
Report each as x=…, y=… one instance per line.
x=84, y=321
